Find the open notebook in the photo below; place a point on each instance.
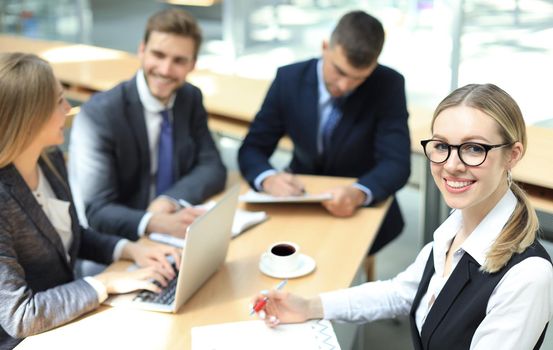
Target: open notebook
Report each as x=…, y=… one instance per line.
x=255, y=335
x=258, y=197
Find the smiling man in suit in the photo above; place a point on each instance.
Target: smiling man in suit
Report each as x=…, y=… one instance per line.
x=142, y=149
x=346, y=115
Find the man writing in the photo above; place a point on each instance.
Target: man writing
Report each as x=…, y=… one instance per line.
x=346, y=116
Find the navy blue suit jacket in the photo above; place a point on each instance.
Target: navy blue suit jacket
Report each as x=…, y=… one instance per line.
x=371, y=141
x=109, y=157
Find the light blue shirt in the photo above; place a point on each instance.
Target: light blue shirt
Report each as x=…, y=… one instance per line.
x=324, y=109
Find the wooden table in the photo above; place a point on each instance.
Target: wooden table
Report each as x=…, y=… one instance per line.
x=83, y=69
x=90, y=69
x=534, y=173
x=230, y=100
x=337, y=245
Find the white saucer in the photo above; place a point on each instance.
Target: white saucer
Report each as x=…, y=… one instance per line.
x=307, y=265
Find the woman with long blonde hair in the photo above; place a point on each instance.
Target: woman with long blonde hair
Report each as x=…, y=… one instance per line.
x=40, y=237
x=485, y=282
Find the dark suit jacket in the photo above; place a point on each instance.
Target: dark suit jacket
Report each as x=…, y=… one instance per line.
x=110, y=157
x=37, y=286
x=371, y=141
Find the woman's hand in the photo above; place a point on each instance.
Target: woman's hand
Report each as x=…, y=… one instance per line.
x=117, y=282
x=284, y=307
x=147, y=253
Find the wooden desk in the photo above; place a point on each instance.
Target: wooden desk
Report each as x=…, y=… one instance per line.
x=83, y=69
x=337, y=245
x=534, y=173
x=202, y=3
x=91, y=69
x=230, y=100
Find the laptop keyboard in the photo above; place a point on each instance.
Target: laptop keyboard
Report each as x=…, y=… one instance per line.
x=166, y=296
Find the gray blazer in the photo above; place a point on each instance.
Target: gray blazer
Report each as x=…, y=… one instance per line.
x=38, y=290
x=110, y=157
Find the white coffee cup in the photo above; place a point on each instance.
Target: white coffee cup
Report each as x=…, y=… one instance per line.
x=283, y=257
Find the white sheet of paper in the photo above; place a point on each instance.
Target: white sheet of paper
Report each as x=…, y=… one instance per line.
x=255, y=335
x=244, y=219
x=257, y=197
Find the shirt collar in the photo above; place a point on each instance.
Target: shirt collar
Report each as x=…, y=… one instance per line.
x=324, y=96
x=479, y=242
x=149, y=102
x=484, y=235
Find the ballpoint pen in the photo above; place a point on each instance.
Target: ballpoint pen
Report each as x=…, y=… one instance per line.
x=184, y=204
x=288, y=170
x=260, y=304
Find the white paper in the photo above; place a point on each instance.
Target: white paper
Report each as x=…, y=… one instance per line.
x=167, y=239
x=243, y=220
x=257, y=197
x=255, y=335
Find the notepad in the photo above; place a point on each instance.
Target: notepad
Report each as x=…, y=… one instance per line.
x=255, y=335
x=243, y=220
x=257, y=197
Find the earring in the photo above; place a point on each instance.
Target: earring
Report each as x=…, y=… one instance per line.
x=509, y=178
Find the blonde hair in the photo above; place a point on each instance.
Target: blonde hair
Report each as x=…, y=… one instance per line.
x=27, y=100
x=520, y=230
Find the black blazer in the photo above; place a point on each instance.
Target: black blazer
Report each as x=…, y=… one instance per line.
x=38, y=290
x=371, y=140
x=110, y=157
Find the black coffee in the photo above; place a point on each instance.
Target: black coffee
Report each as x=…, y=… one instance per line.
x=283, y=250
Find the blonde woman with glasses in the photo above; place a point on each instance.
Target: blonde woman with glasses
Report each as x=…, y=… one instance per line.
x=40, y=237
x=485, y=282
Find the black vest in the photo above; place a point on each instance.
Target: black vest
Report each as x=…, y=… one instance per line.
x=461, y=305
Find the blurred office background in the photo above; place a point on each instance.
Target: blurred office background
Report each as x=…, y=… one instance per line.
x=436, y=44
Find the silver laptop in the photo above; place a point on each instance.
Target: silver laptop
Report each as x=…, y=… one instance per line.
x=205, y=250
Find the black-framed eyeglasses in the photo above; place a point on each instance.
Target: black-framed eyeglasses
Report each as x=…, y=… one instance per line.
x=470, y=153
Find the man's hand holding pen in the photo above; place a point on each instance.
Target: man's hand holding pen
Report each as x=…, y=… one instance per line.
x=171, y=217
x=283, y=184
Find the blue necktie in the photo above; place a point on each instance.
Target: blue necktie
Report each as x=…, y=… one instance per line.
x=331, y=122
x=164, y=178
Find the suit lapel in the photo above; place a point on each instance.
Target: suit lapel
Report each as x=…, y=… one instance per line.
x=62, y=192
x=459, y=278
x=134, y=112
x=23, y=195
x=423, y=287
x=309, y=107
x=181, y=120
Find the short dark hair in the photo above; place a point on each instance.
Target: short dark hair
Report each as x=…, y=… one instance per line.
x=175, y=21
x=361, y=36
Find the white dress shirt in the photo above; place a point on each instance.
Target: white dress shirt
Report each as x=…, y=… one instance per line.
x=152, y=117
x=57, y=211
x=517, y=311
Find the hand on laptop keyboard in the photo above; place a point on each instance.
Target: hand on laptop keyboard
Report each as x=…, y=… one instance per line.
x=148, y=253
x=167, y=294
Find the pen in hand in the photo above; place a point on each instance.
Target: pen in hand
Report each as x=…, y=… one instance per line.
x=294, y=182
x=184, y=204
x=260, y=304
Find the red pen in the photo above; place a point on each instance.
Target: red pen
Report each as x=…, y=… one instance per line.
x=260, y=304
